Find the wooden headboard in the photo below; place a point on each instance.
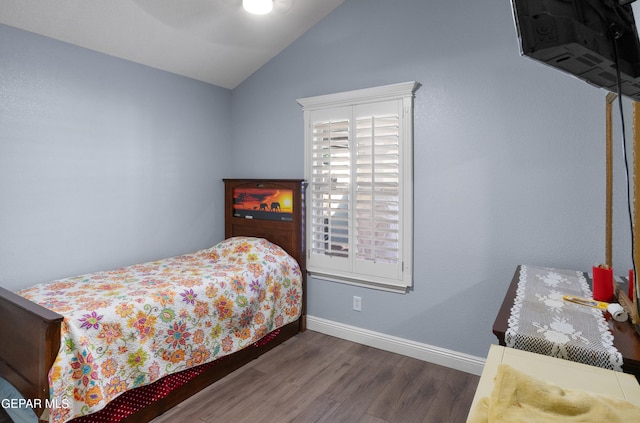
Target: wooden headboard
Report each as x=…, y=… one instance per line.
x=272, y=209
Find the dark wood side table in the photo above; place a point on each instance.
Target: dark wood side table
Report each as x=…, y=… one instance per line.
x=625, y=338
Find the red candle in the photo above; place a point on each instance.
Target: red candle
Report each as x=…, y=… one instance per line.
x=603, y=283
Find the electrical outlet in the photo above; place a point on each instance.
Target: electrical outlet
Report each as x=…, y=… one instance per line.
x=357, y=303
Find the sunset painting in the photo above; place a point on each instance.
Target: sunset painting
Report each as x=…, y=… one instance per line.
x=263, y=203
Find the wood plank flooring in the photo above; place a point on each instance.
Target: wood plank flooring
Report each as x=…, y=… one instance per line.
x=318, y=378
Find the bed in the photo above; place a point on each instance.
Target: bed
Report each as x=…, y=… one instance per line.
x=167, y=345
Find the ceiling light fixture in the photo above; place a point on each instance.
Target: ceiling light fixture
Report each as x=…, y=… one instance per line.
x=258, y=7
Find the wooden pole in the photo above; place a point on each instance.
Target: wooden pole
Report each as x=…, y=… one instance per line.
x=635, y=315
x=609, y=179
x=629, y=304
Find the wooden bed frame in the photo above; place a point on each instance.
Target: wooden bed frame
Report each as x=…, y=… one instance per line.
x=30, y=334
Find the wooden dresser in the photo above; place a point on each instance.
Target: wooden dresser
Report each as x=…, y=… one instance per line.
x=625, y=339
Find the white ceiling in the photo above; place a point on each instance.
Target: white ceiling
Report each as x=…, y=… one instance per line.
x=214, y=41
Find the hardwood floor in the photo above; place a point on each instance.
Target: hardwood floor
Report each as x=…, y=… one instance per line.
x=318, y=378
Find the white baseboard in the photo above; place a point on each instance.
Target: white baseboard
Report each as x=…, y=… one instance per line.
x=442, y=356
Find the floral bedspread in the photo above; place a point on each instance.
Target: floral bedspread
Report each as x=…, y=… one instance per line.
x=131, y=326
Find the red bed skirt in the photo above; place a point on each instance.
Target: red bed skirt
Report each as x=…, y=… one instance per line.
x=137, y=399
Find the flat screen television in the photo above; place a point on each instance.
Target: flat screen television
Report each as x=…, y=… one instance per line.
x=585, y=38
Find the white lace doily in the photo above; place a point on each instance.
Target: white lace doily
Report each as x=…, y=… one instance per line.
x=542, y=322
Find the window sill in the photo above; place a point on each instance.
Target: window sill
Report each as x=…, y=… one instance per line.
x=365, y=283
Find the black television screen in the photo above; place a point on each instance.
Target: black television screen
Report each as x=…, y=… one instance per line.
x=585, y=38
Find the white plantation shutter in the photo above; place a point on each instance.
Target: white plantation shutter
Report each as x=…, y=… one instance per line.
x=358, y=149
x=331, y=180
x=377, y=176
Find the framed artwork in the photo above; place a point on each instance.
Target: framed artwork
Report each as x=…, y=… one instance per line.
x=263, y=203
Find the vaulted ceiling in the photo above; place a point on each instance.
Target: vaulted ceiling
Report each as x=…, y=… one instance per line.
x=215, y=41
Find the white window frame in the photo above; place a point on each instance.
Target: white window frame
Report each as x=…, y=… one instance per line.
x=397, y=277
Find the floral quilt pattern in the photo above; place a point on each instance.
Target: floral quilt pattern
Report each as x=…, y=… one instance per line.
x=131, y=326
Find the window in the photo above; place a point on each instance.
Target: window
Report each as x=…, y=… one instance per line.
x=359, y=166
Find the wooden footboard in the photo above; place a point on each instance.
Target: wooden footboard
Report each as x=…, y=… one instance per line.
x=29, y=343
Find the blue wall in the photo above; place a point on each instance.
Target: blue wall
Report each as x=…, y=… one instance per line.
x=103, y=162
x=509, y=165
